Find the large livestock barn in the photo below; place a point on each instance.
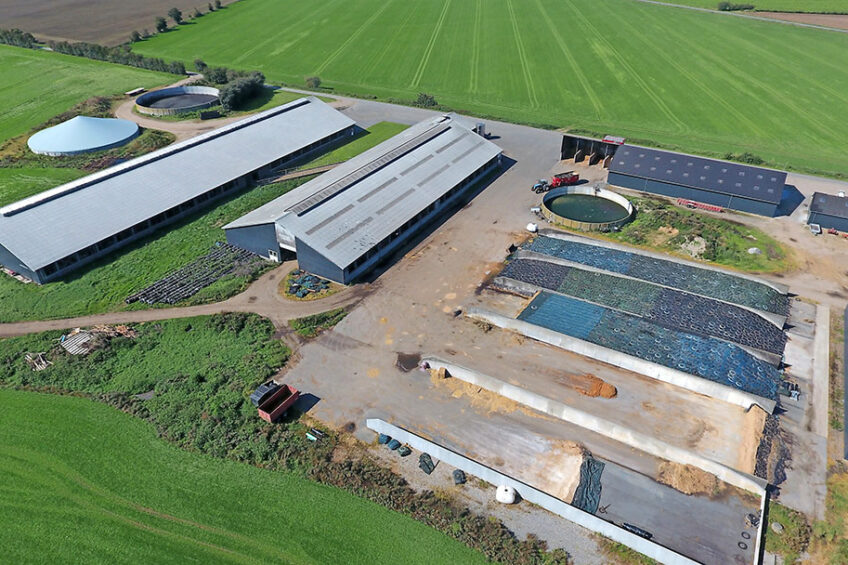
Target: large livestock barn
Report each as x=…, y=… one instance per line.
x=52, y=233
x=720, y=183
x=344, y=222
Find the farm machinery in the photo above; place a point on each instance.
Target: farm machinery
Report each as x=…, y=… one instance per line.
x=562, y=179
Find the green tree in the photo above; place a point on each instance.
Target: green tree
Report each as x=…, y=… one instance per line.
x=217, y=4
x=211, y=8
x=426, y=100
x=135, y=36
x=313, y=82
x=176, y=15
x=161, y=25
x=200, y=65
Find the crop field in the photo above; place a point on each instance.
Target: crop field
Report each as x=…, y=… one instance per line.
x=100, y=487
x=38, y=85
x=704, y=83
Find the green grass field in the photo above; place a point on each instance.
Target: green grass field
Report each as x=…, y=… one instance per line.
x=83, y=482
x=811, y=6
x=20, y=183
x=375, y=135
x=701, y=82
x=37, y=85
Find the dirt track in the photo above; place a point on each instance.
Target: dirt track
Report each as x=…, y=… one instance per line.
x=836, y=21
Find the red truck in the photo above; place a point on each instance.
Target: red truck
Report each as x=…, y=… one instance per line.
x=564, y=179
x=275, y=405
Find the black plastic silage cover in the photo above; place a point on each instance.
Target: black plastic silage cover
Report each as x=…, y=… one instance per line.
x=588, y=493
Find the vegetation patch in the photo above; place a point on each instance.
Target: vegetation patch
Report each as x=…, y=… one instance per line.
x=620, y=554
x=311, y=326
x=20, y=182
x=666, y=227
x=194, y=376
x=794, y=534
x=365, y=140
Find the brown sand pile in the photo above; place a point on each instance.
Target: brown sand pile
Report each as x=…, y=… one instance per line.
x=588, y=385
x=557, y=471
x=689, y=479
x=478, y=396
x=752, y=432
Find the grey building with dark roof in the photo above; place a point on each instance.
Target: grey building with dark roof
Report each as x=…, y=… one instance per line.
x=344, y=222
x=54, y=232
x=730, y=185
x=829, y=211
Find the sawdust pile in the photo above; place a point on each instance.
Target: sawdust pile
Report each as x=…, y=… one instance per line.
x=752, y=431
x=478, y=396
x=557, y=471
x=593, y=386
x=688, y=479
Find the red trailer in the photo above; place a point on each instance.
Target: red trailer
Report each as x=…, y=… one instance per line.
x=276, y=405
x=564, y=179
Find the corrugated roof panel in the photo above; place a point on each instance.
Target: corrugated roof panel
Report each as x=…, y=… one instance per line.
x=698, y=172
x=57, y=223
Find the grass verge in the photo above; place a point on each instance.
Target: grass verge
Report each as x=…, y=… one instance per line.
x=311, y=326
x=794, y=537
x=620, y=554
x=662, y=226
x=372, y=137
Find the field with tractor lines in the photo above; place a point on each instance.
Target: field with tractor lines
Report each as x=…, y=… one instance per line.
x=100, y=487
x=699, y=82
x=38, y=85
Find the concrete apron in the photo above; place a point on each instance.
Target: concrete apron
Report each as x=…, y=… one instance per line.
x=546, y=501
x=649, y=369
x=604, y=427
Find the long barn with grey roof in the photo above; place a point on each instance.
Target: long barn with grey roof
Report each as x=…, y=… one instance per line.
x=730, y=185
x=52, y=233
x=344, y=222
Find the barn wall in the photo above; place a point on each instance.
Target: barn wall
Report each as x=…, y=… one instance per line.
x=313, y=262
x=259, y=239
x=11, y=262
x=827, y=222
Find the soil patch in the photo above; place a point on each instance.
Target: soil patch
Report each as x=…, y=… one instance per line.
x=752, y=431
x=836, y=21
x=688, y=479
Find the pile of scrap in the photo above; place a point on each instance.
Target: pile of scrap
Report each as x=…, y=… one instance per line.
x=114, y=331
x=78, y=342
x=301, y=284
x=36, y=361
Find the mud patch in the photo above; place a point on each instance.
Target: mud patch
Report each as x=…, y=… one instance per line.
x=407, y=361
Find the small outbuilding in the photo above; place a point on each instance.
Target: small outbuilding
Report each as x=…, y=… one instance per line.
x=83, y=134
x=829, y=211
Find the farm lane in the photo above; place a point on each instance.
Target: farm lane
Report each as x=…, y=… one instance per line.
x=261, y=297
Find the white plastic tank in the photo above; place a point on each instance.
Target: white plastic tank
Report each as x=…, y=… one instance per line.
x=841, y=194
x=505, y=495
x=532, y=227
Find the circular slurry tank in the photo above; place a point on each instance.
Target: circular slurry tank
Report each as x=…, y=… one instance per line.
x=587, y=208
x=82, y=134
x=177, y=100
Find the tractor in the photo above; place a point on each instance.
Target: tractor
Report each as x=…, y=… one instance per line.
x=541, y=186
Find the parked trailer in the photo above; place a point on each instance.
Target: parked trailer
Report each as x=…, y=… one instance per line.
x=564, y=179
x=278, y=403
x=700, y=205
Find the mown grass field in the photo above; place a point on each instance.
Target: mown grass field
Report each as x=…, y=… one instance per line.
x=705, y=83
x=83, y=482
x=22, y=182
x=37, y=85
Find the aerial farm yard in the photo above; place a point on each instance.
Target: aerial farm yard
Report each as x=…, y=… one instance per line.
x=538, y=283
x=622, y=67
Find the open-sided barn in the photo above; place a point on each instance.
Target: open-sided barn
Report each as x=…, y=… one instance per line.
x=344, y=222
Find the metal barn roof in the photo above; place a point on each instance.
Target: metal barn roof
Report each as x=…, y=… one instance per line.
x=756, y=183
x=348, y=210
x=56, y=223
x=829, y=205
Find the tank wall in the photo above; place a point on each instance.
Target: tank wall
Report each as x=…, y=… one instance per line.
x=143, y=101
x=590, y=191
